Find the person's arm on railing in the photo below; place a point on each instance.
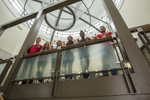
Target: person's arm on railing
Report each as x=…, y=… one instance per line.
x=88, y=39
x=42, y=50
x=51, y=47
x=63, y=44
x=78, y=41
x=95, y=37
x=74, y=41
x=28, y=48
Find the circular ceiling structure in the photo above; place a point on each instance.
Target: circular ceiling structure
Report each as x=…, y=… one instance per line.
x=70, y=22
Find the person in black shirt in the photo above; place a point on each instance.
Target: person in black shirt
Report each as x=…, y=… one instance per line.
x=68, y=58
x=84, y=55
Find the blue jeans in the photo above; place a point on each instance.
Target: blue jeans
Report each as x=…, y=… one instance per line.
x=29, y=63
x=109, y=60
x=68, y=58
x=84, y=60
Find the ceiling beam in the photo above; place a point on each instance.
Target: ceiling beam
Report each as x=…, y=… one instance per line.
x=84, y=21
x=48, y=9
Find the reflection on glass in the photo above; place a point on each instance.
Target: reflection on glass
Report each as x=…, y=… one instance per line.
x=36, y=67
x=2, y=66
x=89, y=58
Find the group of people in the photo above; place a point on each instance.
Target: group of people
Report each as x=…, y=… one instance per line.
x=39, y=48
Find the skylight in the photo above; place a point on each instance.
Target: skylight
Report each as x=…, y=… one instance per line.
x=47, y=30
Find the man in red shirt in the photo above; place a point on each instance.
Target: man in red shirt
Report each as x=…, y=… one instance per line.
x=30, y=62
x=104, y=33
x=35, y=48
x=106, y=66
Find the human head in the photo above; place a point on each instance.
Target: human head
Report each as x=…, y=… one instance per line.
x=70, y=38
x=46, y=45
x=59, y=43
x=38, y=40
x=102, y=29
x=82, y=34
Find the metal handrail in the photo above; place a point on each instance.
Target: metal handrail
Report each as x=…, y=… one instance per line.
x=144, y=27
x=91, y=72
x=143, y=41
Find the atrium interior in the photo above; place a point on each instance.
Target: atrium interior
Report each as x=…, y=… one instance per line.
x=74, y=50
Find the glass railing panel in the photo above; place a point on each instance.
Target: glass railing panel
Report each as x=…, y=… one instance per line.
x=37, y=67
x=2, y=66
x=148, y=35
x=95, y=57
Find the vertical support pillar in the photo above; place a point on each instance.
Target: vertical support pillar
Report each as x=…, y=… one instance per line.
x=56, y=24
x=133, y=52
x=28, y=40
x=36, y=27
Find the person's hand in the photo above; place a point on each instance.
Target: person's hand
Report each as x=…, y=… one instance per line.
x=78, y=40
x=38, y=45
x=51, y=46
x=42, y=50
x=87, y=39
x=28, y=47
x=74, y=41
x=107, y=35
x=95, y=37
x=63, y=43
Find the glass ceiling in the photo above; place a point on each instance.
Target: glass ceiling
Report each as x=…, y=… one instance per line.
x=45, y=29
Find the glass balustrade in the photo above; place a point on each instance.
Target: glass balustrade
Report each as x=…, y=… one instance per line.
x=37, y=67
x=2, y=66
x=95, y=57
x=83, y=59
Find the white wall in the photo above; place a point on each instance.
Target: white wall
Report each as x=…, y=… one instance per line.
x=12, y=39
x=136, y=12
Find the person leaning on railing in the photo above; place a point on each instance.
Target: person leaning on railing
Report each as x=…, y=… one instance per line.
x=42, y=62
x=68, y=57
x=105, y=34
x=31, y=62
x=84, y=54
x=58, y=43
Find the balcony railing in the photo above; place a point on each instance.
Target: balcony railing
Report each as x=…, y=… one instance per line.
x=95, y=58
